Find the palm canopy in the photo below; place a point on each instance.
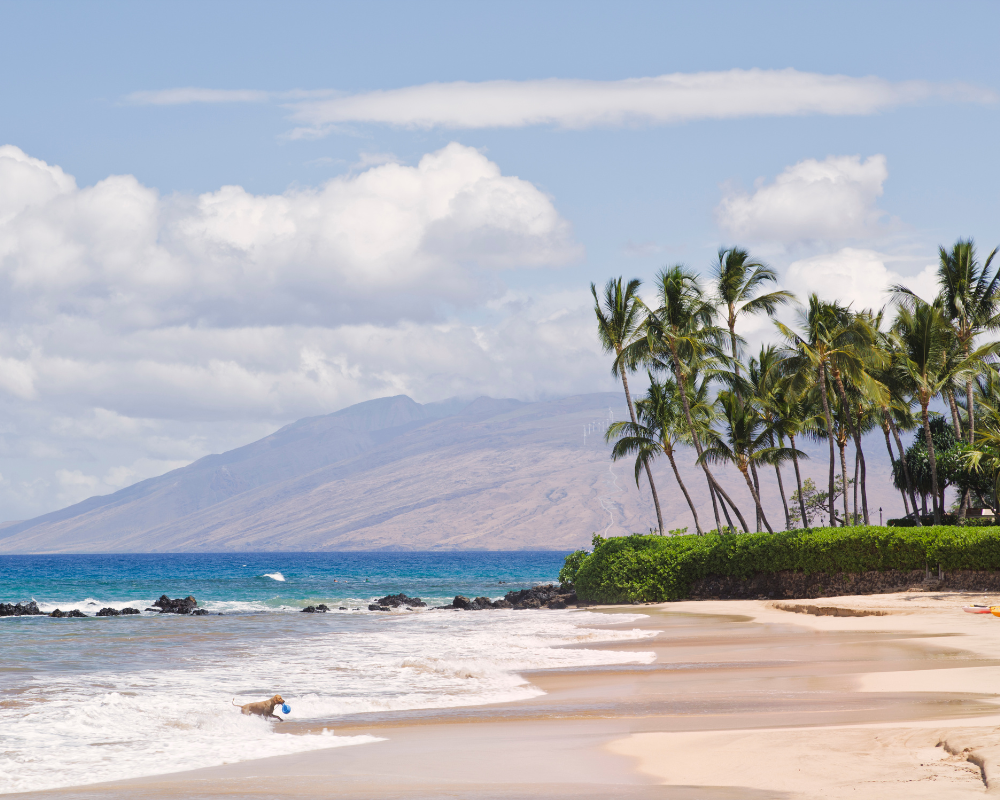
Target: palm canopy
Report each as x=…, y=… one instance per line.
x=620, y=313
x=738, y=278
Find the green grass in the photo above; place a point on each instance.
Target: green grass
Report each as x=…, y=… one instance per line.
x=655, y=568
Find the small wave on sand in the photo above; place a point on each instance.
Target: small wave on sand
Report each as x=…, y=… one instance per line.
x=274, y=576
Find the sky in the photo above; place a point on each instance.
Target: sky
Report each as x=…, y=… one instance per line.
x=218, y=218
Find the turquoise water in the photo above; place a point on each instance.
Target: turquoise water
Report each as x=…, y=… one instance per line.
x=103, y=698
x=234, y=582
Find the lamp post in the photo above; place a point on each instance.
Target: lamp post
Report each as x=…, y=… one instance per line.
x=880, y=516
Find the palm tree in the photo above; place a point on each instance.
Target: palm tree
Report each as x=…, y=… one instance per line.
x=738, y=278
x=679, y=334
x=794, y=416
x=926, y=341
x=619, y=322
x=764, y=377
x=805, y=361
x=744, y=442
x=661, y=425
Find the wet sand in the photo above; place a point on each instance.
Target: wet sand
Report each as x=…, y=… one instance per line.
x=746, y=699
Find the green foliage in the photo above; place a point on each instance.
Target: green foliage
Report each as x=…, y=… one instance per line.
x=567, y=575
x=817, y=502
x=656, y=568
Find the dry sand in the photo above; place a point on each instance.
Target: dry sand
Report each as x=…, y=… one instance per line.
x=746, y=699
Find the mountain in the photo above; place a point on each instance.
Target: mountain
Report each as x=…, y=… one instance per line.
x=394, y=474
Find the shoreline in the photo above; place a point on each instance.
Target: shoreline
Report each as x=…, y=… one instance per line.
x=902, y=697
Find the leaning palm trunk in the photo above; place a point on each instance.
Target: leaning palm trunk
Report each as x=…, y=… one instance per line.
x=798, y=482
x=756, y=499
x=756, y=486
x=930, y=455
x=857, y=467
x=713, y=483
x=784, y=502
x=906, y=469
x=649, y=473
x=892, y=459
x=680, y=482
x=829, y=436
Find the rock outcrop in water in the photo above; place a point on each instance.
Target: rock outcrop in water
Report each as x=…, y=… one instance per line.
x=548, y=596
x=29, y=609
x=114, y=612
x=60, y=614
x=396, y=601
x=185, y=605
x=320, y=609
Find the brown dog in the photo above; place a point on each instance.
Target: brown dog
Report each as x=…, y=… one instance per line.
x=264, y=708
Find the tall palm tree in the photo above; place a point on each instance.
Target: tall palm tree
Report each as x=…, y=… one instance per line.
x=661, y=425
x=794, y=416
x=764, y=377
x=744, y=441
x=619, y=323
x=739, y=277
x=926, y=341
x=806, y=359
x=679, y=333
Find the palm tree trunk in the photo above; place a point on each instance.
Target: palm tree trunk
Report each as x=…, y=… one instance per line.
x=933, y=460
x=677, y=475
x=857, y=468
x=679, y=375
x=956, y=423
x=970, y=408
x=729, y=521
x=892, y=458
x=756, y=499
x=906, y=469
x=843, y=473
x=829, y=436
x=798, y=482
x=784, y=502
x=855, y=431
x=756, y=484
x=649, y=473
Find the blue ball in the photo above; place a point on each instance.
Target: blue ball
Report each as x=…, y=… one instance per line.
x=286, y=709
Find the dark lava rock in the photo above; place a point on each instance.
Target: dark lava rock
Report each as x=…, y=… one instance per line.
x=179, y=606
x=548, y=596
x=397, y=600
x=74, y=613
x=322, y=607
x=376, y=607
x=108, y=612
x=199, y=612
x=461, y=602
x=29, y=609
x=342, y=608
x=309, y=610
x=128, y=611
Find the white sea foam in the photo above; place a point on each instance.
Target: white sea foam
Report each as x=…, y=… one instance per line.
x=73, y=728
x=274, y=576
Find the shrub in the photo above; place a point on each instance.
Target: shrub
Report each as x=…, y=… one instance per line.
x=567, y=575
x=656, y=568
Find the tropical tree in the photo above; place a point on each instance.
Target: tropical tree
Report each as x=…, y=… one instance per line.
x=926, y=342
x=619, y=323
x=764, y=378
x=660, y=427
x=738, y=279
x=680, y=333
x=745, y=441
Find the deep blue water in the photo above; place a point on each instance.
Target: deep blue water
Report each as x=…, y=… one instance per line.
x=239, y=579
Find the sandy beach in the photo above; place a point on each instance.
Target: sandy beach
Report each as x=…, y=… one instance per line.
x=873, y=696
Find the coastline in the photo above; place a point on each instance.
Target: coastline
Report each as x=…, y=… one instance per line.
x=740, y=699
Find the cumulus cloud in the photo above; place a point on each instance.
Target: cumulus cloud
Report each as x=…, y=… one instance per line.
x=830, y=200
x=414, y=236
x=139, y=332
x=859, y=277
x=678, y=97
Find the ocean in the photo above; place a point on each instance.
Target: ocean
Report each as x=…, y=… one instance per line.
x=105, y=698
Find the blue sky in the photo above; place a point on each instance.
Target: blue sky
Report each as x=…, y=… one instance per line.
x=404, y=223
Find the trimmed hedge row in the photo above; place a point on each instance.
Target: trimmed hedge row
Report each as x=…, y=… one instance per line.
x=655, y=568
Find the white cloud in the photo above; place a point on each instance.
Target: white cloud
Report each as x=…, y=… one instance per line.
x=830, y=200
x=855, y=276
x=140, y=332
x=415, y=235
x=673, y=98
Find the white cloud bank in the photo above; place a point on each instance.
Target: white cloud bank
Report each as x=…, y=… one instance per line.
x=168, y=327
x=678, y=97
x=830, y=200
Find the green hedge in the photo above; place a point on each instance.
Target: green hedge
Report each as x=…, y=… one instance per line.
x=655, y=568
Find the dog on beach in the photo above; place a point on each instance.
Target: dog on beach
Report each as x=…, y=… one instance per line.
x=262, y=708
